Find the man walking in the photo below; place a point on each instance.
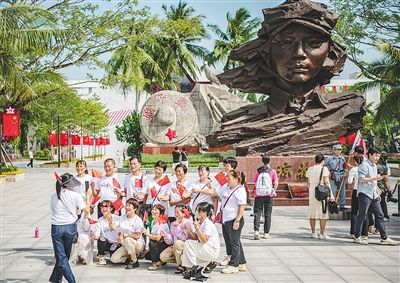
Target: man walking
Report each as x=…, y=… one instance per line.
x=30, y=157
x=175, y=158
x=368, y=197
x=337, y=165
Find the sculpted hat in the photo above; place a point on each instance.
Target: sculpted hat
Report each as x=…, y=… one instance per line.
x=337, y=146
x=304, y=12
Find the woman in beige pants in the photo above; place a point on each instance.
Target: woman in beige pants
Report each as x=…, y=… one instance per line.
x=130, y=228
x=176, y=238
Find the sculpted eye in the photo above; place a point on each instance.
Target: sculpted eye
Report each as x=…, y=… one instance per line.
x=285, y=42
x=315, y=43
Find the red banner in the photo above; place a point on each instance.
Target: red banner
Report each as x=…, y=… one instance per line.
x=102, y=141
x=97, y=140
x=107, y=141
x=11, y=122
x=75, y=139
x=90, y=141
x=52, y=138
x=85, y=140
x=64, y=138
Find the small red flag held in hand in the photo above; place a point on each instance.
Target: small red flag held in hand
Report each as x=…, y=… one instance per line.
x=181, y=189
x=91, y=221
x=138, y=183
x=118, y=205
x=162, y=219
x=221, y=178
x=56, y=175
x=95, y=199
x=96, y=174
x=164, y=181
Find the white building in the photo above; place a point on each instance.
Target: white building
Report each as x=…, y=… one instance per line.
x=119, y=107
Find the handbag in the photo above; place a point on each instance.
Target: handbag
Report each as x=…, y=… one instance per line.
x=218, y=217
x=321, y=190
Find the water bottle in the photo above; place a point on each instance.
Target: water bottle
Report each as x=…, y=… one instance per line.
x=37, y=232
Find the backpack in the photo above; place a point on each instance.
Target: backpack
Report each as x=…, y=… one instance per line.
x=264, y=186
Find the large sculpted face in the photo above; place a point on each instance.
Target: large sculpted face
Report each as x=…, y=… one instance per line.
x=298, y=53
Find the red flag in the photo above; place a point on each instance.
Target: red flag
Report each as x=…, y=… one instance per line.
x=221, y=178
x=146, y=217
x=118, y=205
x=56, y=175
x=153, y=192
x=138, y=183
x=164, y=181
x=53, y=138
x=91, y=221
x=186, y=212
x=95, y=199
x=358, y=140
x=181, y=189
x=162, y=219
x=116, y=184
x=96, y=174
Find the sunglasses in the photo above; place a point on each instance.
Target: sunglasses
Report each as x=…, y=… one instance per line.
x=104, y=205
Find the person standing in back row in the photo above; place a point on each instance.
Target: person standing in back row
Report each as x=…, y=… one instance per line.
x=336, y=164
x=266, y=180
x=185, y=157
x=175, y=158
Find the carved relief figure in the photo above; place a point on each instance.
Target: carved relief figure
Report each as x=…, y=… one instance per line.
x=290, y=60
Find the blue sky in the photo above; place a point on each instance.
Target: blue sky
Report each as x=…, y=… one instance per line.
x=214, y=12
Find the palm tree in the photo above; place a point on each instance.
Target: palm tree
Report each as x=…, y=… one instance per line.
x=240, y=29
x=182, y=31
x=385, y=74
x=25, y=30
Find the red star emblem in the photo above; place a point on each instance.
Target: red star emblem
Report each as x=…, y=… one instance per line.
x=171, y=134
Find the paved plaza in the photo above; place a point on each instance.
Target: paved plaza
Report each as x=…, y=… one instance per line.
x=289, y=256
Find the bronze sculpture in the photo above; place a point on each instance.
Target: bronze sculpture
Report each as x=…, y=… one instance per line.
x=290, y=60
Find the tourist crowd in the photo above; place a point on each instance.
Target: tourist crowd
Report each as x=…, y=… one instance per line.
x=167, y=219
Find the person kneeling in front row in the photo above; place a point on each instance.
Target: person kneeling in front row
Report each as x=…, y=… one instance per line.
x=130, y=229
x=205, y=248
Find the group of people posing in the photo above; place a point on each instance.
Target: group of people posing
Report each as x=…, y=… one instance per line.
x=157, y=218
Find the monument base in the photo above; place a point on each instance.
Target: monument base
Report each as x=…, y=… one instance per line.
x=167, y=149
x=293, y=188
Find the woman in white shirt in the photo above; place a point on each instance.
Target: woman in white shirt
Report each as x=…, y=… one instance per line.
x=197, y=187
x=135, y=184
x=64, y=206
x=233, y=202
x=130, y=227
x=157, y=193
x=82, y=251
x=178, y=191
x=158, y=229
x=353, y=179
x=105, y=231
x=206, y=246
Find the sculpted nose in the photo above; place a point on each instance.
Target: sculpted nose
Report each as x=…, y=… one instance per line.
x=298, y=50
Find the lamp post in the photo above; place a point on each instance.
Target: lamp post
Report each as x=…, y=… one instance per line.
x=58, y=142
x=94, y=143
x=81, y=141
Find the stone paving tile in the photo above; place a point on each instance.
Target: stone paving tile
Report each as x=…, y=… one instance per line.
x=320, y=278
x=311, y=270
x=344, y=270
x=276, y=278
x=364, y=278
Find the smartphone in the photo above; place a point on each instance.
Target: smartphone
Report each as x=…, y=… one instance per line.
x=86, y=185
x=193, y=217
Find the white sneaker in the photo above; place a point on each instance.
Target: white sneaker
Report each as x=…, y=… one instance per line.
x=102, y=260
x=314, y=235
x=267, y=236
x=365, y=238
x=230, y=270
x=256, y=235
x=262, y=219
x=225, y=261
x=360, y=241
x=324, y=237
x=242, y=268
x=352, y=236
x=389, y=242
